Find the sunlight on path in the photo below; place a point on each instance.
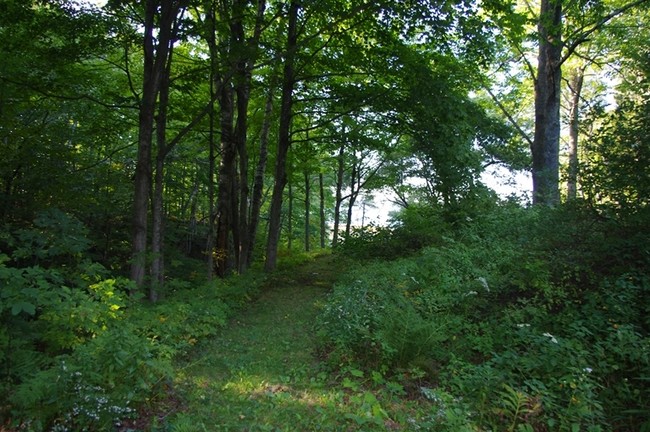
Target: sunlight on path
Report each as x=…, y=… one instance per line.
x=261, y=374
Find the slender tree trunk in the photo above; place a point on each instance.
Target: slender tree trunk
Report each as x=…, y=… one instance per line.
x=290, y=219
x=155, y=62
x=323, y=233
x=546, y=143
x=157, y=232
x=284, y=139
x=353, y=197
x=227, y=173
x=211, y=170
x=339, y=193
x=307, y=206
x=576, y=81
x=258, y=183
x=157, y=218
x=241, y=129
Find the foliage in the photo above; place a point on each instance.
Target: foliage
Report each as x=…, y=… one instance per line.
x=517, y=312
x=77, y=352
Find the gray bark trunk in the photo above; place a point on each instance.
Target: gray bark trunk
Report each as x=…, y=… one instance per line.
x=339, y=197
x=258, y=183
x=307, y=206
x=155, y=62
x=323, y=233
x=546, y=143
x=576, y=81
x=284, y=140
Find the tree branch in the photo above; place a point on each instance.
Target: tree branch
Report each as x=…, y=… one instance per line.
x=509, y=116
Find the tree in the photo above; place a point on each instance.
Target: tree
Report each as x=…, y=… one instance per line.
x=557, y=42
x=284, y=136
x=157, y=43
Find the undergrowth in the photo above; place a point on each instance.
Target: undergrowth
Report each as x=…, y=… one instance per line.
x=77, y=351
x=522, y=319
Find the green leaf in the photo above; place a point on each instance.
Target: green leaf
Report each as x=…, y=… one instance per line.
x=23, y=306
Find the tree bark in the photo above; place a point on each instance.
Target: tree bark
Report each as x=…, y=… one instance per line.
x=284, y=139
x=157, y=217
x=339, y=195
x=307, y=206
x=155, y=62
x=258, y=183
x=576, y=82
x=211, y=170
x=290, y=219
x=354, y=192
x=227, y=172
x=546, y=142
x=323, y=233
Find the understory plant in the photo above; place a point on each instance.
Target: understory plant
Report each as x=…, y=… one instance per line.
x=516, y=314
x=77, y=350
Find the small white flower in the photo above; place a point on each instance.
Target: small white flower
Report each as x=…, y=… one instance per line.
x=588, y=369
x=523, y=325
x=548, y=335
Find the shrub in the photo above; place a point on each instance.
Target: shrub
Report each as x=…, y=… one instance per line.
x=538, y=317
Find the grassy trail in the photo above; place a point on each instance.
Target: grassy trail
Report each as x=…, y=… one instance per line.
x=261, y=373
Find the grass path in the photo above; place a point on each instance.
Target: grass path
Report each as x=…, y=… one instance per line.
x=260, y=374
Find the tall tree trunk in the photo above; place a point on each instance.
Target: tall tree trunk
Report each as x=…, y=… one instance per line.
x=290, y=219
x=307, y=206
x=576, y=81
x=321, y=188
x=353, y=198
x=227, y=173
x=339, y=194
x=546, y=143
x=155, y=62
x=211, y=170
x=244, y=70
x=157, y=217
x=284, y=139
x=243, y=96
x=258, y=183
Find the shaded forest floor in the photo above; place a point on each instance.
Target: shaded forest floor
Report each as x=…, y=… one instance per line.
x=262, y=372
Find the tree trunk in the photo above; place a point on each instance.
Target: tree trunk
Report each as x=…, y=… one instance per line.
x=307, y=205
x=157, y=218
x=155, y=62
x=209, y=247
x=353, y=197
x=546, y=143
x=577, y=79
x=290, y=219
x=227, y=173
x=241, y=130
x=284, y=140
x=258, y=183
x=321, y=188
x=339, y=193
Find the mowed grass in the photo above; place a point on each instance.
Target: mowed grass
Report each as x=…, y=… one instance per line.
x=262, y=373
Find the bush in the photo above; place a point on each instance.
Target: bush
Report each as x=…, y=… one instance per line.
x=538, y=317
x=78, y=353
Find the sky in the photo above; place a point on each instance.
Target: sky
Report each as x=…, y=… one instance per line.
x=503, y=181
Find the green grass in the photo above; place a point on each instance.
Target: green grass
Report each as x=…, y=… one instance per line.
x=262, y=374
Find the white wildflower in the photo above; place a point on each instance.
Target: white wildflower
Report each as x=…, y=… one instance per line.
x=548, y=335
x=484, y=283
x=522, y=325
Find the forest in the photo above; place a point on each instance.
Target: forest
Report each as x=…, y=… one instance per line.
x=281, y=215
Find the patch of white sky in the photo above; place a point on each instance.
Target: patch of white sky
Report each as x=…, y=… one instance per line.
x=379, y=207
